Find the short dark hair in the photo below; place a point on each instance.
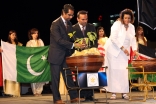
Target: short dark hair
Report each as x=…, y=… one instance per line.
x=32, y=31
x=129, y=12
x=67, y=7
x=82, y=12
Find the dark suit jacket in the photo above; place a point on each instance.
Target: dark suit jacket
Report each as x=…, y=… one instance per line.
x=60, y=43
x=79, y=34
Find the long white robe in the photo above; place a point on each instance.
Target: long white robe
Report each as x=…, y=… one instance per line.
x=115, y=58
x=37, y=88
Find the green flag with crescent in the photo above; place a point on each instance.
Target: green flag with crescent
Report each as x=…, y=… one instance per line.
x=25, y=64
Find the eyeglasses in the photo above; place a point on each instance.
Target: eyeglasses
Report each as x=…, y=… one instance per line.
x=70, y=15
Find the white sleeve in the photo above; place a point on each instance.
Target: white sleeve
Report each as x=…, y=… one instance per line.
x=134, y=44
x=41, y=42
x=28, y=44
x=115, y=33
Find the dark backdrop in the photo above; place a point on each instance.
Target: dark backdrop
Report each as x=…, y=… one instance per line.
x=22, y=15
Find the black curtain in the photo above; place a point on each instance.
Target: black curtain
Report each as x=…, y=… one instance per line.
x=151, y=52
x=147, y=13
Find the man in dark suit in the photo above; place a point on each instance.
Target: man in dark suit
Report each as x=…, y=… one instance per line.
x=60, y=46
x=81, y=29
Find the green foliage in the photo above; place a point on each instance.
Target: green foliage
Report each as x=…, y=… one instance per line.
x=92, y=36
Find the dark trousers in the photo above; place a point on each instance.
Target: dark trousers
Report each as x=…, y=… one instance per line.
x=55, y=75
x=86, y=93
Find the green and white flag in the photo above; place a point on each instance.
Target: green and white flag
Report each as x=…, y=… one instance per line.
x=25, y=64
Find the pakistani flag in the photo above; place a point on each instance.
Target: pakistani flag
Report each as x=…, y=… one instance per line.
x=25, y=64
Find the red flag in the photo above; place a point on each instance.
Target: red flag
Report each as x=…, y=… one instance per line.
x=1, y=78
x=102, y=52
x=140, y=56
x=131, y=56
x=144, y=57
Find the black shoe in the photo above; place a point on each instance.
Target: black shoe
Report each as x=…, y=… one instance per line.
x=90, y=98
x=87, y=100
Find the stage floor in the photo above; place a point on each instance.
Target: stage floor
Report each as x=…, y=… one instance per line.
x=47, y=99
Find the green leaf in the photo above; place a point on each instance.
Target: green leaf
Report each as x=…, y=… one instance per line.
x=92, y=36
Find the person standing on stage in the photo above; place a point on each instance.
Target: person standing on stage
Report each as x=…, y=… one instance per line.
x=117, y=49
x=60, y=46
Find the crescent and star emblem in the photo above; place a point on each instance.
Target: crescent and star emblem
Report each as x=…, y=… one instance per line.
x=31, y=70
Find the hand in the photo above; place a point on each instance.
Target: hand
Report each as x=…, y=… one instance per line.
x=78, y=45
x=126, y=52
x=136, y=54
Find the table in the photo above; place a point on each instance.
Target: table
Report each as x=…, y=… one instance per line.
x=144, y=74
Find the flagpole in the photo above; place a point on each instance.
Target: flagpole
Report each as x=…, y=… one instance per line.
x=138, y=11
x=2, y=67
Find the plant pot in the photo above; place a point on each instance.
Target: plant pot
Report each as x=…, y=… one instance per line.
x=149, y=65
x=90, y=63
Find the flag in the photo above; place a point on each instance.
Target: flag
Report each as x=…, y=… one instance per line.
x=151, y=52
x=101, y=49
x=102, y=52
x=131, y=56
x=141, y=54
x=147, y=13
x=130, y=60
x=140, y=57
x=1, y=78
x=25, y=64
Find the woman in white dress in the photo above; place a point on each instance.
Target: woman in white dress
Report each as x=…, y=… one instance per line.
x=117, y=50
x=35, y=41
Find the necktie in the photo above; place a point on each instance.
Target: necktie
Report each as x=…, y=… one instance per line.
x=83, y=31
x=66, y=25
